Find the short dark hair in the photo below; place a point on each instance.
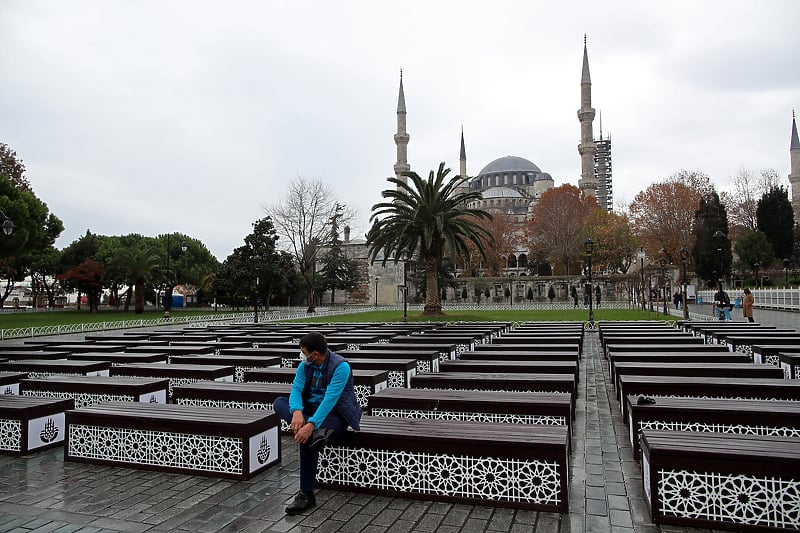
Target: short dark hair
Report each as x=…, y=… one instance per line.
x=314, y=342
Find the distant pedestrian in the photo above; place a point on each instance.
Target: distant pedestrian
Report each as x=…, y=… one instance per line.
x=574, y=294
x=676, y=299
x=747, y=305
x=597, y=294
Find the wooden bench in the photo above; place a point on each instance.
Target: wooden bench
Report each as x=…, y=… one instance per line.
x=540, y=340
x=498, y=366
x=85, y=347
x=657, y=347
x=356, y=341
x=790, y=363
x=36, y=368
x=475, y=406
x=91, y=390
x=170, y=350
x=708, y=387
x=508, y=465
x=427, y=360
x=22, y=355
x=9, y=382
x=531, y=347
x=233, y=443
x=520, y=355
x=365, y=382
x=120, y=358
x=240, y=364
x=744, y=343
x=248, y=395
x=726, y=370
x=769, y=353
x=459, y=343
x=502, y=382
x=30, y=424
x=400, y=371
x=446, y=351
x=712, y=480
x=740, y=417
x=675, y=357
x=176, y=374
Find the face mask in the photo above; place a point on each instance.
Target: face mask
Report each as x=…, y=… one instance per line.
x=303, y=357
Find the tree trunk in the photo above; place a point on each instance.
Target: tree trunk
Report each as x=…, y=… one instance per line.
x=433, y=305
x=138, y=293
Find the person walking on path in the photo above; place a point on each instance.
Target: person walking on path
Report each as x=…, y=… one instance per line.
x=597, y=295
x=574, y=297
x=747, y=304
x=319, y=409
x=722, y=303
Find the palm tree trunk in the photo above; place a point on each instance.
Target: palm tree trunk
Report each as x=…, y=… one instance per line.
x=433, y=305
x=138, y=290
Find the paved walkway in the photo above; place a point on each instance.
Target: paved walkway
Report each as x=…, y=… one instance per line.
x=41, y=492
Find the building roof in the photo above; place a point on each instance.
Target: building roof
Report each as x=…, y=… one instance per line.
x=510, y=163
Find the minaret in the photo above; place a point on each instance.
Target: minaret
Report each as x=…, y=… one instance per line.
x=401, y=137
x=462, y=169
x=587, y=149
x=794, y=176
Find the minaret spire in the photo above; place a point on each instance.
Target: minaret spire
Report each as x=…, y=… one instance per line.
x=401, y=138
x=587, y=148
x=794, y=175
x=462, y=170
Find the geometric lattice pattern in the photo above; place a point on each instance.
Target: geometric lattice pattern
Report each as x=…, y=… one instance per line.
x=397, y=379
x=462, y=476
x=11, y=435
x=731, y=498
x=81, y=399
x=545, y=420
x=739, y=429
x=145, y=447
x=231, y=404
x=772, y=359
x=423, y=367
x=37, y=375
x=797, y=372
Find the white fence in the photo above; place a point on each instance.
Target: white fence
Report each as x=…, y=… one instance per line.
x=776, y=299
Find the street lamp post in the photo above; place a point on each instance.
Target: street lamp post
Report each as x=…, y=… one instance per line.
x=404, y=257
x=640, y=254
x=756, y=268
x=376, y=291
x=720, y=239
x=684, y=297
x=663, y=263
x=786, y=271
x=168, y=288
x=510, y=290
x=588, y=246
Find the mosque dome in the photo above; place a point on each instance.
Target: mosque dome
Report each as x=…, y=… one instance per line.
x=510, y=163
x=501, y=192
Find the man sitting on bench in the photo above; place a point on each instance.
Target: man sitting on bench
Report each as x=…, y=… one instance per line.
x=320, y=407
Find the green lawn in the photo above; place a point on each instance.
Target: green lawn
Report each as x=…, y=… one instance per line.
x=27, y=319
x=510, y=315
x=11, y=320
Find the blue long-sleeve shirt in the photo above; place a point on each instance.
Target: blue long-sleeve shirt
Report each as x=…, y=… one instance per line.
x=324, y=398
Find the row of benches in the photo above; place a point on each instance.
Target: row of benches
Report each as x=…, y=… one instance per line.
x=450, y=414
x=712, y=428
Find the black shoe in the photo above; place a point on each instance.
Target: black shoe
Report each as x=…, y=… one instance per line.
x=320, y=438
x=302, y=503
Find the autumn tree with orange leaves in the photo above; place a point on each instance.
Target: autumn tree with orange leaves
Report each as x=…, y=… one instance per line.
x=615, y=244
x=557, y=224
x=662, y=216
x=505, y=232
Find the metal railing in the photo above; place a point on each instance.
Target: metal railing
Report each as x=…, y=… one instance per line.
x=775, y=299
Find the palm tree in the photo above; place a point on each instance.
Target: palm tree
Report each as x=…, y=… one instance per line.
x=139, y=266
x=429, y=219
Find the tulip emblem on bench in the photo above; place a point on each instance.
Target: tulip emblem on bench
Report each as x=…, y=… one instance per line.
x=49, y=432
x=8, y=391
x=263, y=450
x=153, y=398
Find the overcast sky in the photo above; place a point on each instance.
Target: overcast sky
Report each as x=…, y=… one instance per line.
x=159, y=116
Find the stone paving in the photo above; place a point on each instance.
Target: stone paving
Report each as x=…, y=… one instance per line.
x=41, y=492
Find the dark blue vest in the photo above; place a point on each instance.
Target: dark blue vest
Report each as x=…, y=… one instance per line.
x=347, y=406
